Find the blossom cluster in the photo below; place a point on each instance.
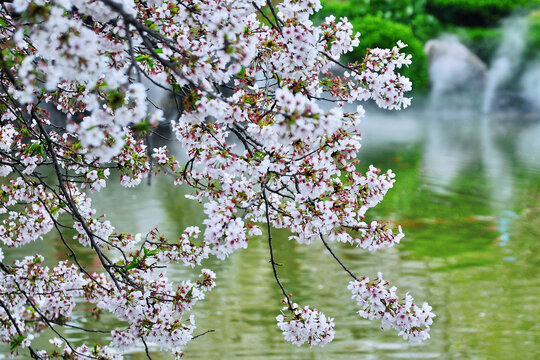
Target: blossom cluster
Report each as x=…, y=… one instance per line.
x=184, y=250
x=80, y=352
x=305, y=325
x=153, y=313
x=40, y=208
x=379, y=301
x=53, y=293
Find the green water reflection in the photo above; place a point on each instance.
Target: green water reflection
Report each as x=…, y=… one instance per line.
x=466, y=195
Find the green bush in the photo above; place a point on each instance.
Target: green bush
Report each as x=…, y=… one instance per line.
x=425, y=27
x=475, y=12
x=342, y=8
x=533, y=37
x=397, y=10
x=383, y=33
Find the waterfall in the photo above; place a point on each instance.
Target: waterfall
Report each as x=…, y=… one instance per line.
x=530, y=84
x=507, y=59
x=453, y=69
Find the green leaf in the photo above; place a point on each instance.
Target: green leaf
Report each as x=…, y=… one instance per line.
x=133, y=264
x=259, y=155
x=151, y=25
x=142, y=126
x=16, y=342
x=116, y=99
x=37, y=148
x=242, y=73
x=152, y=252
x=146, y=59
x=24, y=131
x=142, y=58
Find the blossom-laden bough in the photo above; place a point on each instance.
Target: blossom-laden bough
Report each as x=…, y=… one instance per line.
x=248, y=79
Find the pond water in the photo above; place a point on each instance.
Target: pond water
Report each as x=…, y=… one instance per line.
x=467, y=195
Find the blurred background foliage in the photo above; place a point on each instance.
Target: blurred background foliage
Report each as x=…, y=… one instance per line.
x=476, y=23
x=533, y=52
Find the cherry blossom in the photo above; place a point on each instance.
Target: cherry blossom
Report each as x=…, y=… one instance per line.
x=266, y=142
x=379, y=301
x=305, y=325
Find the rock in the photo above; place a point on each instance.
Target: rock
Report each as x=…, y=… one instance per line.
x=453, y=67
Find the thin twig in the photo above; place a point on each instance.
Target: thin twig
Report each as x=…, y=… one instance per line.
x=204, y=333
x=272, y=261
x=336, y=258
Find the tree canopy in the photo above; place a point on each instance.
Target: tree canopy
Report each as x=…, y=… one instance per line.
x=249, y=80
